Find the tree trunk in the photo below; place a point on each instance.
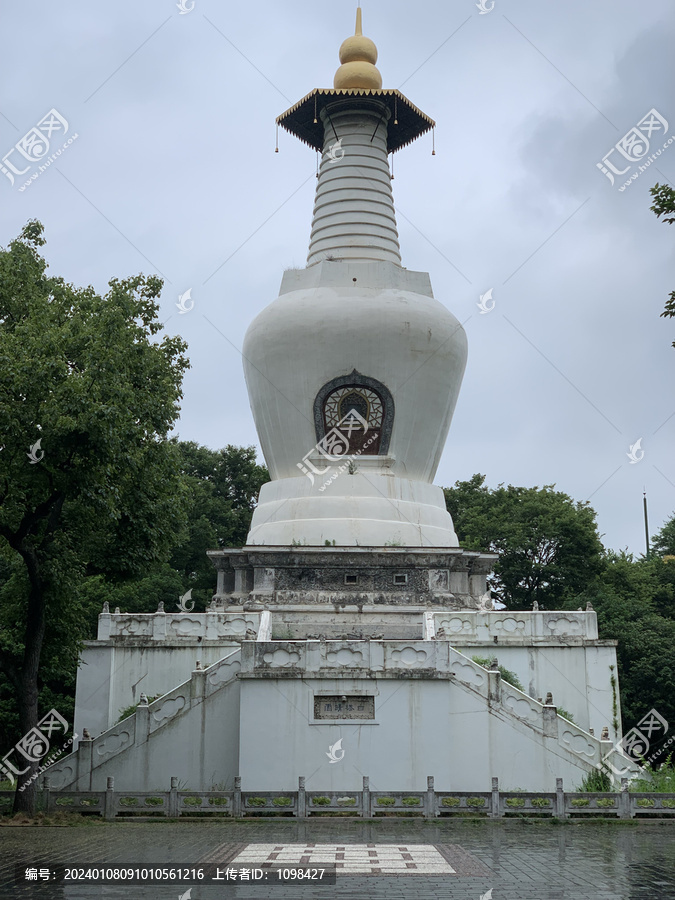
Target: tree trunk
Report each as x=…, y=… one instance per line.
x=25, y=801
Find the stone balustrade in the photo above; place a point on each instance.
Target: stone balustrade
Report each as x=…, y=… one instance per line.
x=365, y=803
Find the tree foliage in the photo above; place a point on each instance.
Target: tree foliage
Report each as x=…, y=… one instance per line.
x=548, y=544
x=664, y=209
x=88, y=479
x=635, y=604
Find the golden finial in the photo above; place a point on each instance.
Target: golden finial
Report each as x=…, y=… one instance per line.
x=358, y=55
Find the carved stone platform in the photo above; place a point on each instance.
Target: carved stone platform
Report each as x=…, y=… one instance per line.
x=451, y=578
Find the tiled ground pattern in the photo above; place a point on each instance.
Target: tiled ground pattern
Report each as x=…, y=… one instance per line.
x=349, y=859
x=518, y=860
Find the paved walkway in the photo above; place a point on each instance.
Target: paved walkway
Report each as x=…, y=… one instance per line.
x=516, y=860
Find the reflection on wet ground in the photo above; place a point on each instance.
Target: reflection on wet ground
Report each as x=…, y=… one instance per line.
x=517, y=860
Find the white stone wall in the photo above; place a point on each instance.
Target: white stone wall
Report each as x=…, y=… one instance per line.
x=578, y=677
x=112, y=676
x=422, y=727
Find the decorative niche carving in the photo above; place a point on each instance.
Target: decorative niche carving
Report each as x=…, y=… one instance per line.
x=354, y=414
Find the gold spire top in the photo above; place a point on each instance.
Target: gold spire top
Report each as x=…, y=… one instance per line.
x=358, y=55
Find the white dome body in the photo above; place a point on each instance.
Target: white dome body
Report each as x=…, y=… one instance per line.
x=353, y=372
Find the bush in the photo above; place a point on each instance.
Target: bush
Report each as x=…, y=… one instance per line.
x=645, y=802
x=346, y=801
x=256, y=801
x=282, y=801
x=126, y=801
x=218, y=801
x=411, y=801
x=604, y=802
x=386, y=801
x=450, y=801
x=130, y=710
x=565, y=715
x=507, y=675
x=515, y=802
x=578, y=801
x=540, y=802
x=595, y=782
x=475, y=801
x=154, y=801
x=320, y=801
x=657, y=781
x=192, y=801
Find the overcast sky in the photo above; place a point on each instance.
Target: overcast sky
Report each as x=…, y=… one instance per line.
x=173, y=171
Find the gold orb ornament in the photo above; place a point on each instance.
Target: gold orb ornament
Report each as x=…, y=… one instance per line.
x=358, y=55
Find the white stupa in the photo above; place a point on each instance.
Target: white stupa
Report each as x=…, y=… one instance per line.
x=355, y=361
x=377, y=638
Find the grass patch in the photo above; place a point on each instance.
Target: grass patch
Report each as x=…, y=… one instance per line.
x=507, y=675
x=596, y=782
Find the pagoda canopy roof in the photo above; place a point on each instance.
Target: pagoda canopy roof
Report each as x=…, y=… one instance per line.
x=406, y=123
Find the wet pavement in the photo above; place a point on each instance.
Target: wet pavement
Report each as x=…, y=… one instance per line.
x=457, y=860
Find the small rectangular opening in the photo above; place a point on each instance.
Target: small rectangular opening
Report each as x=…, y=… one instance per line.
x=351, y=579
x=401, y=578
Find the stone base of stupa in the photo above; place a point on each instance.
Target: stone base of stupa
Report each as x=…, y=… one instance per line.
x=354, y=577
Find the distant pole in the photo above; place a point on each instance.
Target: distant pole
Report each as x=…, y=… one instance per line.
x=644, y=506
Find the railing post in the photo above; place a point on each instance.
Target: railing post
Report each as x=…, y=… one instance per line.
x=142, y=721
x=236, y=804
x=47, y=791
x=109, y=809
x=430, y=811
x=560, y=799
x=624, y=800
x=173, y=798
x=302, y=801
x=365, y=796
x=496, y=811
x=84, y=761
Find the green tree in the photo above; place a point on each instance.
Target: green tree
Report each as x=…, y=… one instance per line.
x=633, y=599
x=223, y=487
x=664, y=208
x=89, y=481
x=548, y=544
x=663, y=542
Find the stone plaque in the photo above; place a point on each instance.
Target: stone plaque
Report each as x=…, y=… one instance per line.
x=341, y=707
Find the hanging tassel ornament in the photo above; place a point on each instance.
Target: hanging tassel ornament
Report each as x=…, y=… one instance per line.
x=392, y=166
x=395, y=110
x=315, y=119
x=433, y=141
x=317, y=163
x=276, y=149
